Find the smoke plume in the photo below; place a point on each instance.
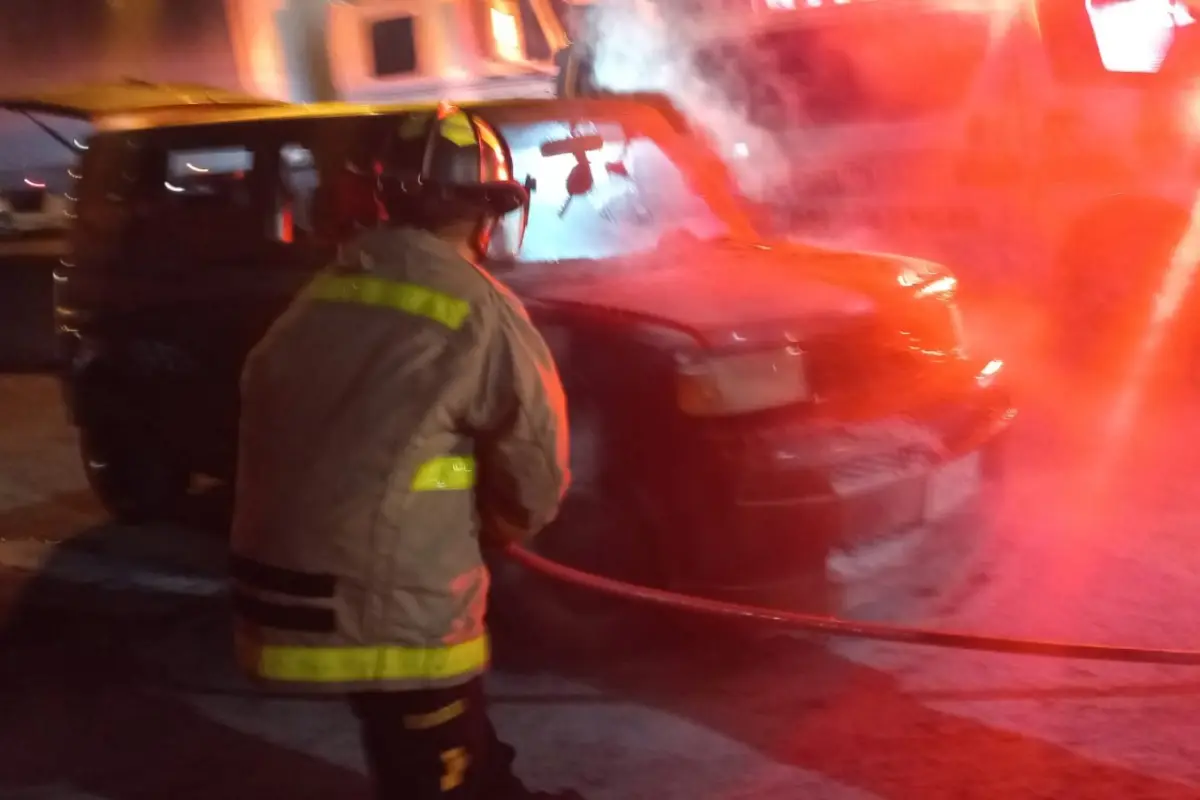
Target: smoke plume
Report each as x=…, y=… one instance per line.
x=642, y=46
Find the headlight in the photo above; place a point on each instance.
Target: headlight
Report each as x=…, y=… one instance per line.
x=918, y=272
x=988, y=375
x=936, y=323
x=938, y=287
x=743, y=382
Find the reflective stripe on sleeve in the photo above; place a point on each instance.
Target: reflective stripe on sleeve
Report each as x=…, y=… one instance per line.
x=363, y=664
x=445, y=473
x=407, y=297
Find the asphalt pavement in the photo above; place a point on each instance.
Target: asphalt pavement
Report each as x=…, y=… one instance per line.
x=117, y=679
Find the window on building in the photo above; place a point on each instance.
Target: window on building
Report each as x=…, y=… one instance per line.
x=506, y=33
x=394, y=46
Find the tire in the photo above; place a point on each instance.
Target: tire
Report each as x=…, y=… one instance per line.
x=134, y=478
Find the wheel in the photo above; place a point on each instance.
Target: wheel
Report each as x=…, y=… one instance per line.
x=135, y=479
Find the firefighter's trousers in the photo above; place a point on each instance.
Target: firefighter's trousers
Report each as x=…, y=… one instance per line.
x=435, y=743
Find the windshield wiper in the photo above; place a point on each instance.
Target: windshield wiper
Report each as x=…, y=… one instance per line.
x=53, y=134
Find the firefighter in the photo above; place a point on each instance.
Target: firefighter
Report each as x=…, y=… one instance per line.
x=400, y=413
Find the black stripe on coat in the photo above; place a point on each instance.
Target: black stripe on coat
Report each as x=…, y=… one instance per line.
x=285, y=617
x=279, y=580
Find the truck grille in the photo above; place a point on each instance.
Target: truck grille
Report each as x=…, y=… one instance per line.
x=24, y=201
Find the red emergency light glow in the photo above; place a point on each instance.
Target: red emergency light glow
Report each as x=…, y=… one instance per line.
x=791, y=5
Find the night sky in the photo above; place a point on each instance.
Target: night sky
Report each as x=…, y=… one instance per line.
x=52, y=40
x=47, y=42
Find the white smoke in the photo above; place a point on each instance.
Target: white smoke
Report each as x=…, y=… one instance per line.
x=642, y=46
x=797, y=128
x=648, y=46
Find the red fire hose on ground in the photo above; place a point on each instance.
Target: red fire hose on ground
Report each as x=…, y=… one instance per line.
x=184, y=620
x=831, y=626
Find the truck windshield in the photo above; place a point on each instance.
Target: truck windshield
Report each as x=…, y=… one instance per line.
x=649, y=182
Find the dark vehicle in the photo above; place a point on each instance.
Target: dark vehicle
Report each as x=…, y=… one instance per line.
x=744, y=413
x=31, y=203
x=1045, y=147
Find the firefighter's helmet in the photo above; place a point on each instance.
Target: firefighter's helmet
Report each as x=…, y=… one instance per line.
x=447, y=166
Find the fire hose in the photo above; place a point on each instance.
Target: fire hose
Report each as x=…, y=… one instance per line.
x=833, y=626
x=184, y=617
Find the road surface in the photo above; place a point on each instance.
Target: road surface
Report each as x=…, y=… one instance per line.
x=116, y=679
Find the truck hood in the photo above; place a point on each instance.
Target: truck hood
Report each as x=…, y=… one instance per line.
x=728, y=294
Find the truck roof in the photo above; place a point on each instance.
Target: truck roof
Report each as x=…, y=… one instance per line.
x=220, y=115
x=132, y=105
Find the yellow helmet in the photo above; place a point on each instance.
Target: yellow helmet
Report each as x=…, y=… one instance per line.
x=450, y=155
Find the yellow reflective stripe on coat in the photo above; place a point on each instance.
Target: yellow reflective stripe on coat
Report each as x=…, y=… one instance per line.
x=445, y=473
x=366, y=664
x=407, y=297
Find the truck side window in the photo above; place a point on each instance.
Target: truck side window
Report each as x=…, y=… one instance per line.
x=320, y=189
x=209, y=178
x=208, y=201
x=298, y=182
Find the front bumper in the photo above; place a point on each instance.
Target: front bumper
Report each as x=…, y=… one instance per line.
x=838, y=516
